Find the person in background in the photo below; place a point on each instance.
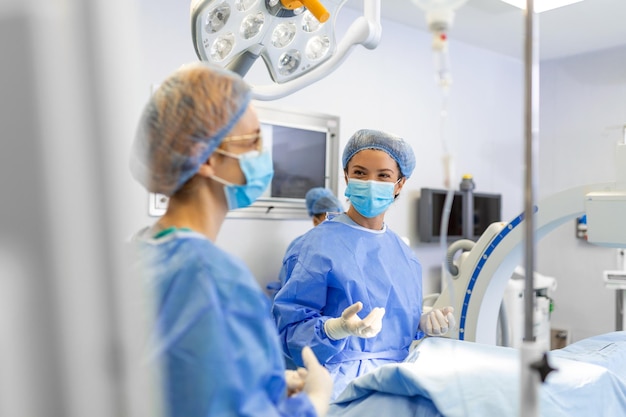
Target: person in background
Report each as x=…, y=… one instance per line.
x=319, y=202
x=353, y=288
x=199, y=143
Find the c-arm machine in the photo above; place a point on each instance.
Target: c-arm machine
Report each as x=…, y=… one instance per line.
x=477, y=289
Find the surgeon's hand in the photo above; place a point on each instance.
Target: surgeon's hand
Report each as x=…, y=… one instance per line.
x=438, y=321
x=349, y=324
x=318, y=384
x=295, y=380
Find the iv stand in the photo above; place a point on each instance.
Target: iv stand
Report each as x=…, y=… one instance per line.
x=534, y=363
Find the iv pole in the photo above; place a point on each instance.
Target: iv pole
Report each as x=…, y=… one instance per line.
x=534, y=363
x=529, y=384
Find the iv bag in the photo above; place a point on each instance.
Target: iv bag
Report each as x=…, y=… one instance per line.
x=439, y=13
x=430, y=5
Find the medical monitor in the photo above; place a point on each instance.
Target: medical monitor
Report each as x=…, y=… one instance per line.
x=304, y=148
x=487, y=210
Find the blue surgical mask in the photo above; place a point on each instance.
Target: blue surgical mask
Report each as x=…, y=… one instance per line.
x=258, y=169
x=370, y=198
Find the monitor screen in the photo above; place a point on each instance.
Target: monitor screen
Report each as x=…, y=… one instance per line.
x=487, y=210
x=299, y=157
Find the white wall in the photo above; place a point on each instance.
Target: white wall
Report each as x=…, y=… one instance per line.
x=390, y=88
x=583, y=113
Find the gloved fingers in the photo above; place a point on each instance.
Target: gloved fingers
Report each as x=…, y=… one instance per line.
x=447, y=310
x=439, y=321
x=319, y=384
x=295, y=382
x=351, y=311
x=449, y=313
x=291, y=375
x=376, y=315
x=372, y=324
x=308, y=358
x=431, y=323
x=302, y=372
x=369, y=332
x=451, y=321
x=440, y=325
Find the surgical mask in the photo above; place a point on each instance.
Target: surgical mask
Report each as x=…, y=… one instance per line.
x=258, y=170
x=370, y=198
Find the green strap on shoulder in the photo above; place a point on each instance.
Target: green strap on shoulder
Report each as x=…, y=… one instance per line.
x=170, y=230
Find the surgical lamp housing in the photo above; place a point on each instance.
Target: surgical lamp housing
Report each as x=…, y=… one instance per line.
x=233, y=34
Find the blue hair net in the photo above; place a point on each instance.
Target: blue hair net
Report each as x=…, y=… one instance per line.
x=322, y=200
x=395, y=146
x=184, y=121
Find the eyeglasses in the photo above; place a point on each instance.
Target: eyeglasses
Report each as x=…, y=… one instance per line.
x=250, y=140
x=249, y=136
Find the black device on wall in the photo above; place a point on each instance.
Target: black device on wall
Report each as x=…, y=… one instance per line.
x=487, y=210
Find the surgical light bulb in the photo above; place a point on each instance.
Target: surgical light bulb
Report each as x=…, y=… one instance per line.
x=317, y=47
x=283, y=34
x=217, y=18
x=222, y=47
x=310, y=22
x=289, y=62
x=244, y=5
x=251, y=25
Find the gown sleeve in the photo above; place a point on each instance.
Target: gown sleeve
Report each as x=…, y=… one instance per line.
x=219, y=347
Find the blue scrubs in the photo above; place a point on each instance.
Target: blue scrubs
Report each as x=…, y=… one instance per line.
x=214, y=335
x=287, y=263
x=333, y=266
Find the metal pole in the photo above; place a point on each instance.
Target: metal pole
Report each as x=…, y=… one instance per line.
x=530, y=148
x=467, y=189
x=529, y=396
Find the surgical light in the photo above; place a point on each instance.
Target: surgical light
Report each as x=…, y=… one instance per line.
x=542, y=5
x=295, y=38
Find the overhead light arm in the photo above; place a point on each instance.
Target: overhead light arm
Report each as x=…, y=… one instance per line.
x=316, y=8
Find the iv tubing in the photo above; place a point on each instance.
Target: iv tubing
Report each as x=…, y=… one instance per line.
x=448, y=173
x=442, y=72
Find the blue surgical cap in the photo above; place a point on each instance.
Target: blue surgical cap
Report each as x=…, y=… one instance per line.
x=322, y=200
x=184, y=121
x=395, y=146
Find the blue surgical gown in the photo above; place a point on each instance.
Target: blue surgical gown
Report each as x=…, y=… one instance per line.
x=214, y=337
x=333, y=266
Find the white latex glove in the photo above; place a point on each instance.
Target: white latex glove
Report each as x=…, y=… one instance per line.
x=349, y=324
x=295, y=380
x=318, y=384
x=438, y=321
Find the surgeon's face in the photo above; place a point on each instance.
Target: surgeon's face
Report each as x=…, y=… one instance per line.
x=244, y=137
x=374, y=165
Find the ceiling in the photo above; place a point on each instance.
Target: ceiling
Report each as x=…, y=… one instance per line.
x=580, y=28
